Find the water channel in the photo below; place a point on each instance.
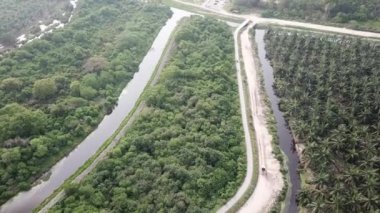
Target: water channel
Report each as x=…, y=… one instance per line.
x=25, y=202
x=284, y=135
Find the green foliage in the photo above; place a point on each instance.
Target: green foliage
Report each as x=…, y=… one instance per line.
x=75, y=88
x=49, y=99
x=340, y=11
x=17, y=120
x=87, y=92
x=44, y=89
x=97, y=63
x=329, y=89
x=11, y=84
x=183, y=153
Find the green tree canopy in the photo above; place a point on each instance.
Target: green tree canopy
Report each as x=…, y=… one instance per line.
x=44, y=89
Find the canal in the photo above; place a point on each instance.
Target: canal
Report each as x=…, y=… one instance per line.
x=25, y=202
x=283, y=132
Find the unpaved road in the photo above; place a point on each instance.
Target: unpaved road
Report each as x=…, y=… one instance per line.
x=260, y=20
x=315, y=27
x=270, y=182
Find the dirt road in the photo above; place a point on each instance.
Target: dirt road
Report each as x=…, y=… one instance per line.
x=270, y=181
x=260, y=20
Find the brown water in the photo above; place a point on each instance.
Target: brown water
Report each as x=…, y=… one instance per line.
x=284, y=135
x=25, y=202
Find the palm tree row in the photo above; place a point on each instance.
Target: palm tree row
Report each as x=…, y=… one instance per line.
x=329, y=87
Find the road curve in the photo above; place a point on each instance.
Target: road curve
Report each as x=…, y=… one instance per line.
x=247, y=136
x=270, y=182
x=290, y=23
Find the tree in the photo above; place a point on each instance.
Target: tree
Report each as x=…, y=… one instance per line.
x=44, y=89
x=11, y=155
x=95, y=64
x=46, y=109
x=320, y=85
x=39, y=146
x=174, y=157
x=75, y=88
x=11, y=84
x=17, y=120
x=87, y=92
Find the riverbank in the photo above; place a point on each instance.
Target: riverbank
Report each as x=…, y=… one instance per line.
x=115, y=138
x=185, y=139
x=279, y=204
x=284, y=135
x=344, y=78
x=85, y=148
x=270, y=180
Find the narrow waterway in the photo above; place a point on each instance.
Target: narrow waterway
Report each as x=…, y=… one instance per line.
x=284, y=135
x=25, y=202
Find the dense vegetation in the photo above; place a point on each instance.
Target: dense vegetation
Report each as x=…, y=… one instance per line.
x=17, y=17
x=54, y=91
x=330, y=93
x=184, y=152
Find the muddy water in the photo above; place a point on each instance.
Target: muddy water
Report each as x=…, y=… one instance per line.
x=284, y=135
x=27, y=201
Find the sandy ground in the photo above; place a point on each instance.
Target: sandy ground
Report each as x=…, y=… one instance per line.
x=270, y=182
x=217, y=5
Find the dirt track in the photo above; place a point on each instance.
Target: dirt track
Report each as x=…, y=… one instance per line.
x=270, y=182
x=260, y=20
